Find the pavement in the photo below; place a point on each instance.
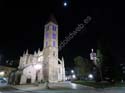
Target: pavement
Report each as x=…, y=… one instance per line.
x=65, y=87
x=60, y=85
x=29, y=87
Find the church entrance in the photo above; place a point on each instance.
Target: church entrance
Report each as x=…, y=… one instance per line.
x=28, y=81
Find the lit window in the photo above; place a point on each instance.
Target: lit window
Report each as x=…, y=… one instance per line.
x=47, y=35
x=54, y=43
x=54, y=28
x=54, y=36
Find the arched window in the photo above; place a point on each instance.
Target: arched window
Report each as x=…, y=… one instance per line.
x=47, y=35
x=46, y=43
x=54, y=43
x=54, y=36
x=54, y=28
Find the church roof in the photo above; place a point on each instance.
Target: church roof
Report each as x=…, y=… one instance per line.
x=52, y=19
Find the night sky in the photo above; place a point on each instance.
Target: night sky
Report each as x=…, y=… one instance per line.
x=22, y=27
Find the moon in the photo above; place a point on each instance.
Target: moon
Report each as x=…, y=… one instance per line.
x=65, y=4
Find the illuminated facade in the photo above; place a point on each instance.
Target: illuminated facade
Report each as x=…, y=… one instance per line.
x=43, y=65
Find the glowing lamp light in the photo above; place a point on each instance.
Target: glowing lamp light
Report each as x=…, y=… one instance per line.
x=73, y=76
x=90, y=76
x=72, y=71
x=37, y=66
x=2, y=73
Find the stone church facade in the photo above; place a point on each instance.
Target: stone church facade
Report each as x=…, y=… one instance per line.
x=43, y=65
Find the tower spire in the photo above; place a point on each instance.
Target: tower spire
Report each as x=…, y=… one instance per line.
x=52, y=19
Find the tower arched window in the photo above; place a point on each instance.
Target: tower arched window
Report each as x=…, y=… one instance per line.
x=47, y=35
x=54, y=36
x=54, y=43
x=54, y=28
x=46, y=43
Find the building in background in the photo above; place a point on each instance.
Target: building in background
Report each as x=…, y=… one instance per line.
x=122, y=70
x=107, y=72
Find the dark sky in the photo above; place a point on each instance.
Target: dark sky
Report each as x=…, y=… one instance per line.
x=22, y=25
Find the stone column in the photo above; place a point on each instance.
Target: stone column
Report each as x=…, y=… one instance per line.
x=63, y=73
x=33, y=78
x=23, y=79
x=40, y=76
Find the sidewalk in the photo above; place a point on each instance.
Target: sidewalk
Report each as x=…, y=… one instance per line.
x=68, y=85
x=29, y=87
x=60, y=85
x=41, y=86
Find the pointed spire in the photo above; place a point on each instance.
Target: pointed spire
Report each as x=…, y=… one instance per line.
x=24, y=53
x=62, y=59
x=62, y=62
x=39, y=50
x=52, y=19
x=34, y=52
x=27, y=52
x=92, y=50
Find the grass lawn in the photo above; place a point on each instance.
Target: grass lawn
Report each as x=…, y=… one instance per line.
x=7, y=88
x=99, y=84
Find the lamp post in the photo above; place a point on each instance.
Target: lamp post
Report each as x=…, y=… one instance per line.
x=72, y=71
x=2, y=73
x=73, y=76
x=90, y=76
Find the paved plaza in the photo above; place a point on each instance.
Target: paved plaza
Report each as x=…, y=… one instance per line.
x=59, y=88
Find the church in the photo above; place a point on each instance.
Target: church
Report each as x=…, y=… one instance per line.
x=43, y=65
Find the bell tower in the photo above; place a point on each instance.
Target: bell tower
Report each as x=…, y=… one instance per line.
x=50, y=50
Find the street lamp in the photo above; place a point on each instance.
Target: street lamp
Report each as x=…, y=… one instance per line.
x=73, y=76
x=72, y=71
x=2, y=73
x=90, y=76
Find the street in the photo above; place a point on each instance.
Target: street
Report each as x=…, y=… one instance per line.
x=71, y=88
x=70, y=91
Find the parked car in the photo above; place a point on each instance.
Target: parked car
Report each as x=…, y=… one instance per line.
x=3, y=82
